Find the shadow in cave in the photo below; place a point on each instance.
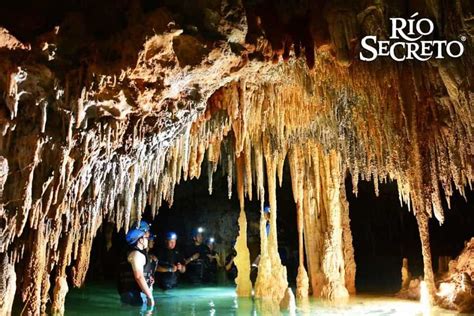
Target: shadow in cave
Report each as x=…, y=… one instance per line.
x=384, y=232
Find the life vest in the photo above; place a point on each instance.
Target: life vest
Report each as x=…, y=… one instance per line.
x=127, y=281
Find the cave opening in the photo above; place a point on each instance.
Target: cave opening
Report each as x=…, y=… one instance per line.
x=385, y=232
x=216, y=213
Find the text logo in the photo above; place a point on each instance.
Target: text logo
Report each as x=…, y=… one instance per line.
x=406, y=42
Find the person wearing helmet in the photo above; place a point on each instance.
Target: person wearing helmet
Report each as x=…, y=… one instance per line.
x=134, y=287
x=170, y=263
x=230, y=267
x=196, y=257
x=212, y=262
x=266, y=214
x=151, y=265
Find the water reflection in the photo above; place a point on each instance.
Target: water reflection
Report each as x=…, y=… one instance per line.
x=103, y=300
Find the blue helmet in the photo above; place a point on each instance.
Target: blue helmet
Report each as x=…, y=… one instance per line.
x=197, y=231
x=171, y=236
x=141, y=225
x=134, y=235
x=266, y=209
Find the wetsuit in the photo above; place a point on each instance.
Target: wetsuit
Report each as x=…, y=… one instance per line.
x=232, y=272
x=167, y=258
x=210, y=273
x=128, y=288
x=195, y=269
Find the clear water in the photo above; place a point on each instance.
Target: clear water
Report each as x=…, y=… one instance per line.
x=102, y=299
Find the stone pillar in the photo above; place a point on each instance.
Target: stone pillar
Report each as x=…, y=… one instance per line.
x=422, y=220
x=327, y=233
x=242, y=260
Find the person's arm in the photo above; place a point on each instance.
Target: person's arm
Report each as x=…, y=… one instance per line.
x=192, y=258
x=181, y=263
x=256, y=262
x=138, y=260
x=166, y=269
x=181, y=267
x=219, y=260
x=228, y=265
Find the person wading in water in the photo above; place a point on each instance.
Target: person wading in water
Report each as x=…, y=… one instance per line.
x=135, y=282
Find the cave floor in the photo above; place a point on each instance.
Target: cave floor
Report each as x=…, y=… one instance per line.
x=102, y=299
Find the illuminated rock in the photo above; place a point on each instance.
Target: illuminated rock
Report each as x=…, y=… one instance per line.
x=288, y=303
x=456, y=288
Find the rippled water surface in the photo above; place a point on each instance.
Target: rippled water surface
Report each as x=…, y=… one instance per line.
x=103, y=300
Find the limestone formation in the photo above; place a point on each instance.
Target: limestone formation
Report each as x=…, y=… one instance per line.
x=410, y=287
x=406, y=275
x=456, y=288
x=288, y=303
x=7, y=285
x=99, y=120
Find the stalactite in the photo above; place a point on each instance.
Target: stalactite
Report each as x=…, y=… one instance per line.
x=248, y=168
x=230, y=173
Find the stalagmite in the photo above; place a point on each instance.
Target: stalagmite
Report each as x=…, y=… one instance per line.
x=302, y=281
x=288, y=303
x=32, y=285
x=456, y=289
x=271, y=280
x=406, y=275
x=348, y=249
x=422, y=221
x=242, y=260
x=333, y=258
x=296, y=169
x=329, y=252
x=60, y=284
x=59, y=293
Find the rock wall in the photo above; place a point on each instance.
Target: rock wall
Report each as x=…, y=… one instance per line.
x=456, y=287
x=99, y=121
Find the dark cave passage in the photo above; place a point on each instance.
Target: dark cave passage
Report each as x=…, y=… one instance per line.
x=194, y=207
x=384, y=232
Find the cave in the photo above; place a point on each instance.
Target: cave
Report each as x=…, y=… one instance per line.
x=328, y=143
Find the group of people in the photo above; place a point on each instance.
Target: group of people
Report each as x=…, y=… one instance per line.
x=143, y=265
